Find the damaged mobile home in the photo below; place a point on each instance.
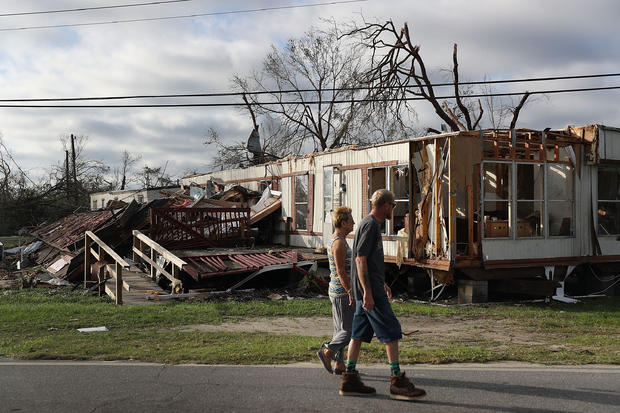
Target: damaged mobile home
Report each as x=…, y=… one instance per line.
x=521, y=207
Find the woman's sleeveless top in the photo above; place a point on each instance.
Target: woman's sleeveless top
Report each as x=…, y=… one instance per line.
x=335, y=287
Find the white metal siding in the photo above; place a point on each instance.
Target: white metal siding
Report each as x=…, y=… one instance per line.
x=609, y=143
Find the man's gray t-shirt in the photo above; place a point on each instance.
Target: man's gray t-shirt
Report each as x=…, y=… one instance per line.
x=367, y=243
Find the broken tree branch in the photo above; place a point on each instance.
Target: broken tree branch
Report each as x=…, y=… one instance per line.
x=245, y=99
x=515, y=115
x=453, y=116
x=457, y=95
x=481, y=111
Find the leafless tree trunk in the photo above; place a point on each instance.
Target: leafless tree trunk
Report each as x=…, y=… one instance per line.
x=398, y=72
x=127, y=163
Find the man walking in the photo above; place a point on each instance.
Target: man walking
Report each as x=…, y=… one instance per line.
x=373, y=312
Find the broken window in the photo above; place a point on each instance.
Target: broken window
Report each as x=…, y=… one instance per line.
x=94, y=204
x=265, y=183
x=376, y=180
x=530, y=199
x=141, y=199
x=560, y=195
x=399, y=185
x=497, y=195
x=301, y=202
x=608, y=200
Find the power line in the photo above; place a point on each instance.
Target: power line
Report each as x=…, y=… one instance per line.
x=151, y=3
x=348, y=101
x=186, y=16
x=286, y=91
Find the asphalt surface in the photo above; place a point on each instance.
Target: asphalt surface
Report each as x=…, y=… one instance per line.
x=61, y=386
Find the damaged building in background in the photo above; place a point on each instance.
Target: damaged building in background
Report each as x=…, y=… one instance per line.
x=514, y=211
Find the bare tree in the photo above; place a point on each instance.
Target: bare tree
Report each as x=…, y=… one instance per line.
x=22, y=201
x=152, y=177
x=236, y=155
x=398, y=72
x=91, y=175
x=123, y=174
x=310, y=87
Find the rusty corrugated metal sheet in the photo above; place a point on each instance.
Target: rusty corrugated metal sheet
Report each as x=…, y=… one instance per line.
x=69, y=230
x=227, y=264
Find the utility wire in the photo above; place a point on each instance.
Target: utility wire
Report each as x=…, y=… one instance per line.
x=349, y=101
x=151, y=3
x=186, y=16
x=285, y=91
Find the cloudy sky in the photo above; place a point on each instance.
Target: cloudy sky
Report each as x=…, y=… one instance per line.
x=497, y=40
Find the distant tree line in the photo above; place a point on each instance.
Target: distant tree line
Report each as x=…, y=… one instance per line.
x=66, y=188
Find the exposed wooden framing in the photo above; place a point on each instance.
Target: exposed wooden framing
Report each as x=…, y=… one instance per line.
x=470, y=220
x=246, y=180
x=452, y=205
x=537, y=262
x=368, y=165
x=412, y=204
x=425, y=203
x=541, y=153
x=436, y=264
x=437, y=197
x=287, y=230
x=535, y=161
x=478, y=182
x=527, y=151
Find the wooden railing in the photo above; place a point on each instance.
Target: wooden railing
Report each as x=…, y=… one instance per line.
x=183, y=228
x=146, y=250
x=104, y=251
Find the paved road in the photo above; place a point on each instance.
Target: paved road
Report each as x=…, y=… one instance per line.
x=58, y=386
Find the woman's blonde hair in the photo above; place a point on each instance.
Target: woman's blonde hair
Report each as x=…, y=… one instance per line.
x=340, y=215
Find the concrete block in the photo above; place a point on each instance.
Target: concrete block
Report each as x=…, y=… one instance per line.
x=471, y=291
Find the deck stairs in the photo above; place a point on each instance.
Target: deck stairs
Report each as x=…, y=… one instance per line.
x=137, y=286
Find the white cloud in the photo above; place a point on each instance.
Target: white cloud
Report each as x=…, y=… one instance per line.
x=497, y=39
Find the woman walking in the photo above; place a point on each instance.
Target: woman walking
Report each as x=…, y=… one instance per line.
x=343, y=305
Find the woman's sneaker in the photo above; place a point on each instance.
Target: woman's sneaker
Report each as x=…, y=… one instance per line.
x=352, y=386
x=402, y=389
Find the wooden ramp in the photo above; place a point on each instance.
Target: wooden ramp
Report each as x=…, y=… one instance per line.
x=137, y=286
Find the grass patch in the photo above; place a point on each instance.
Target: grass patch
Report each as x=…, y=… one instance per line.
x=11, y=242
x=42, y=324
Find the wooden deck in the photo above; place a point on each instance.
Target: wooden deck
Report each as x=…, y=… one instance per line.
x=137, y=286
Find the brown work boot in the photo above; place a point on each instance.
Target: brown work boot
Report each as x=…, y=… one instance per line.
x=325, y=355
x=353, y=386
x=402, y=389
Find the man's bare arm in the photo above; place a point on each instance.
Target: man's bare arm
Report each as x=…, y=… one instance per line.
x=362, y=273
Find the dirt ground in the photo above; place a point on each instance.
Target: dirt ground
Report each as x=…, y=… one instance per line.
x=423, y=329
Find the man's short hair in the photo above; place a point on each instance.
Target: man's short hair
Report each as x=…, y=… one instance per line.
x=381, y=197
x=341, y=215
